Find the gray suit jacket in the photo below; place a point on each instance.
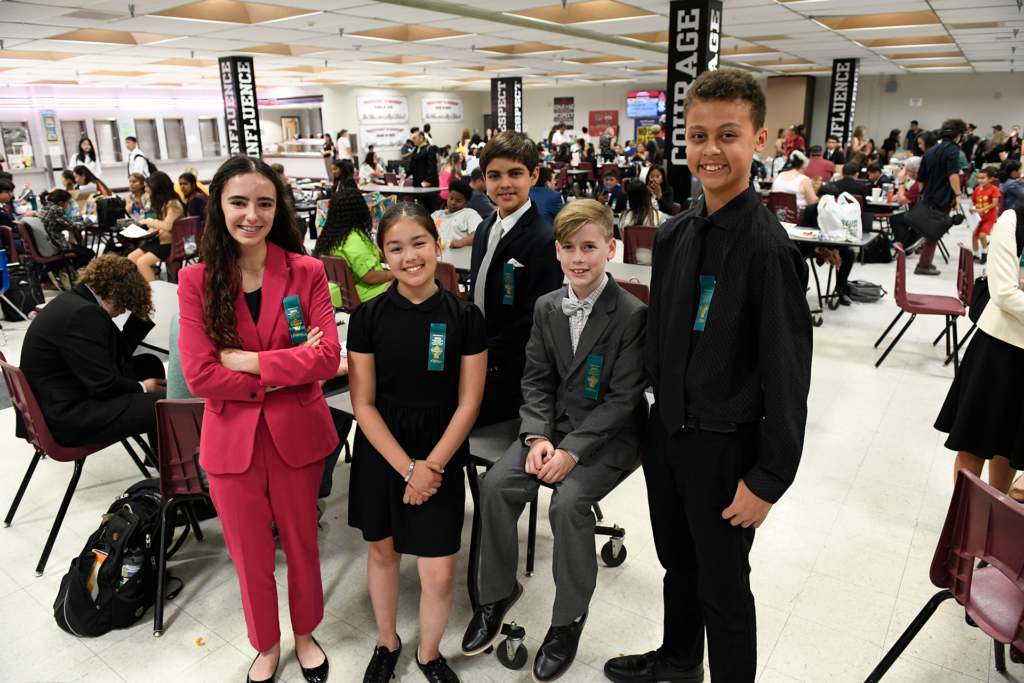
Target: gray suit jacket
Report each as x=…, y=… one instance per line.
x=609, y=428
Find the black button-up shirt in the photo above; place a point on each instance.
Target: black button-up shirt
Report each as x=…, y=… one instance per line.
x=752, y=362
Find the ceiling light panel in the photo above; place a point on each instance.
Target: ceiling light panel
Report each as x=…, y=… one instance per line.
x=879, y=21
x=584, y=12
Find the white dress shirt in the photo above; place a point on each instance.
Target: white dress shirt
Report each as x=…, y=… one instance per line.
x=504, y=224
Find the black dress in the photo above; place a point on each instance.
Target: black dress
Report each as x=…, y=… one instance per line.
x=416, y=404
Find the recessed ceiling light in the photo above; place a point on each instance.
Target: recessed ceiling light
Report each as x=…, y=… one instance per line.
x=232, y=12
x=925, y=55
x=409, y=33
x=95, y=35
x=919, y=41
x=607, y=59
x=650, y=37
x=521, y=49
x=863, y=22
x=583, y=12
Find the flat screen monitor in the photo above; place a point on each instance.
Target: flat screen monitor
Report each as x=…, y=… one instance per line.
x=645, y=103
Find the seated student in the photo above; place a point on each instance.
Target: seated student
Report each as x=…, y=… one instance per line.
x=563, y=156
x=834, y=151
x=660, y=190
x=346, y=233
x=8, y=214
x=642, y=210
x=611, y=194
x=89, y=385
x=344, y=175
x=849, y=182
x=513, y=265
x=819, y=167
x=53, y=212
x=908, y=192
x=85, y=178
x=842, y=258
x=793, y=181
x=138, y=201
x=876, y=177
x=198, y=185
x=370, y=171
x=544, y=195
x=480, y=202
x=167, y=208
x=457, y=222
x=193, y=195
x=579, y=441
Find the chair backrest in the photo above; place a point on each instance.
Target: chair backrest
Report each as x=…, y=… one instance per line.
x=860, y=200
x=609, y=167
x=637, y=237
x=965, y=275
x=7, y=243
x=5, y=276
x=407, y=183
x=899, y=292
x=589, y=167
x=35, y=424
x=390, y=178
x=676, y=208
x=985, y=524
x=637, y=289
x=562, y=179
x=338, y=272
x=449, y=277
x=183, y=228
x=28, y=243
x=783, y=205
x=178, y=425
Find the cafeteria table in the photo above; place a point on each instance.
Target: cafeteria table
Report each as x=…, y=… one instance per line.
x=165, y=305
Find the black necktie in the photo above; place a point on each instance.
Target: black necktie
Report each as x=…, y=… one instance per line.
x=676, y=351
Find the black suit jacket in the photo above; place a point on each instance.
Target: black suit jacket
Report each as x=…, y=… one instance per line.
x=836, y=156
x=851, y=185
x=423, y=166
x=531, y=243
x=79, y=364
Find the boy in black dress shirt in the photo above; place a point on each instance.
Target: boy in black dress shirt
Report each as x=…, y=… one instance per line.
x=729, y=358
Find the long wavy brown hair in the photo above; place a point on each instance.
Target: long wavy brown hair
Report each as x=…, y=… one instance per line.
x=220, y=251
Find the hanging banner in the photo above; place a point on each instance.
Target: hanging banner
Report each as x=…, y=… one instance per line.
x=565, y=111
x=695, y=31
x=241, y=116
x=507, y=104
x=382, y=110
x=441, y=110
x=643, y=129
x=602, y=120
x=842, y=99
x=383, y=138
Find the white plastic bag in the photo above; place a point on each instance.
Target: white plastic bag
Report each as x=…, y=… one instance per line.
x=840, y=219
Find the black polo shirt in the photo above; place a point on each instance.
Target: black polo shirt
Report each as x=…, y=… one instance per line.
x=752, y=362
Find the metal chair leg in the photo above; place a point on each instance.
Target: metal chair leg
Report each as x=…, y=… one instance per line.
x=147, y=452
x=167, y=514
x=60, y=517
x=598, y=513
x=889, y=329
x=949, y=358
x=896, y=340
x=473, y=570
x=21, y=490
x=915, y=627
x=949, y=321
x=939, y=338
x=956, y=344
x=135, y=458
x=1000, y=656
x=531, y=538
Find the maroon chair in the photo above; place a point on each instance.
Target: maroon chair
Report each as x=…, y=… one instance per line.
x=860, y=200
x=964, y=290
x=783, y=205
x=178, y=424
x=390, y=178
x=42, y=440
x=449, y=277
x=922, y=304
x=676, y=208
x=339, y=273
x=637, y=237
x=7, y=242
x=407, y=197
x=589, y=178
x=981, y=524
x=28, y=244
x=183, y=229
x=637, y=289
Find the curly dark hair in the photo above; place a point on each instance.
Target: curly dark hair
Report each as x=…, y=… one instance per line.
x=116, y=279
x=348, y=212
x=161, y=193
x=952, y=129
x=410, y=210
x=219, y=250
x=729, y=84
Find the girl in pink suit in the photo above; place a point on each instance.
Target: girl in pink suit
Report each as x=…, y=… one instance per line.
x=266, y=427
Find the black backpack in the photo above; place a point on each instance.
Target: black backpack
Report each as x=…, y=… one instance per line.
x=130, y=529
x=25, y=293
x=864, y=292
x=878, y=250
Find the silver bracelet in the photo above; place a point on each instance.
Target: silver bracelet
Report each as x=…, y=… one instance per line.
x=408, y=475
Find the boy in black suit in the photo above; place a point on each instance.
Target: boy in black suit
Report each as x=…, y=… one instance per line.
x=513, y=264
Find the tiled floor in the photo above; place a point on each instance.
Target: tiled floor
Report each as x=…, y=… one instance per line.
x=839, y=569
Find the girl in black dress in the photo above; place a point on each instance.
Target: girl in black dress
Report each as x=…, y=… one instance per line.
x=417, y=360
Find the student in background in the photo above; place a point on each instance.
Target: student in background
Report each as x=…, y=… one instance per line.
x=559, y=136
x=195, y=199
x=834, y=152
x=891, y=144
x=198, y=185
x=985, y=203
x=138, y=198
x=655, y=144
x=858, y=140
x=543, y=194
x=819, y=167
x=329, y=152
x=1011, y=186
x=344, y=176
x=876, y=179
x=85, y=179
x=642, y=210
x=166, y=208
x=452, y=171
x=457, y=222
x=939, y=176
x=849, y=182
x=611, y=194
x=513, y=265
x=137, y=161
x=480, y=202
x=53, y=212
x=606, y=143
x=725, y=436
x=423, y=169
x=417, y=360
x=579, y=437
x=346, y=233
x=344, y=148
x=910, y=143
x=370, y=171
x=86, y=156
x=661, y=191
x=793, y=181
x=908, y=192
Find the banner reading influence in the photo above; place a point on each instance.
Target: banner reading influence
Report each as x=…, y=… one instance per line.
x=842, y=99
x=241, y=115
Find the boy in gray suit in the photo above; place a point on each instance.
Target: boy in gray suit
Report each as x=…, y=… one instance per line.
x=583, y=417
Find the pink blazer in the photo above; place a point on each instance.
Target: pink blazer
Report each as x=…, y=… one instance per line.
x=297, y=414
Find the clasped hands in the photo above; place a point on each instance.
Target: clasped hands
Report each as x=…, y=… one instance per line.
x=424, y=482
x=550, y=464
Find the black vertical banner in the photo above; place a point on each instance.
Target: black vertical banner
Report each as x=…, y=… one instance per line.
x=241, y=116
x=695, y=31
x=507, y=104
x=842, y=99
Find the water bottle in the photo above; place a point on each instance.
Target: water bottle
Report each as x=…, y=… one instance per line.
x=133, y=560
x=615, y=202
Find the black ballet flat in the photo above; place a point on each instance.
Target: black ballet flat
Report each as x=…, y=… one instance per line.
x=316, y=674
x=267, y=680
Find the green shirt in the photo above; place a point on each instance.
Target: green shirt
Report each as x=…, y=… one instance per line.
x=362, y=257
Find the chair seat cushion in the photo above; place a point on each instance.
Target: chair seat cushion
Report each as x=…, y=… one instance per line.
x=996, y=603
x=932, y=304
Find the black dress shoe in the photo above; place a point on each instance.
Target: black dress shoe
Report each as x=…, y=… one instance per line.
x=485, y=626
x=558, y=651
x=650, y=668
x=437, y=671
x=382, y=665
x=266, y=680
x=318, y=674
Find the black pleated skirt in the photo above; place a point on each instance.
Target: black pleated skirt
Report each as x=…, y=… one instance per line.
x=375, y=505
x=984, y=409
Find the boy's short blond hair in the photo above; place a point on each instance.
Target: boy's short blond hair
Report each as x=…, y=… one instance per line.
x=577, y=214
